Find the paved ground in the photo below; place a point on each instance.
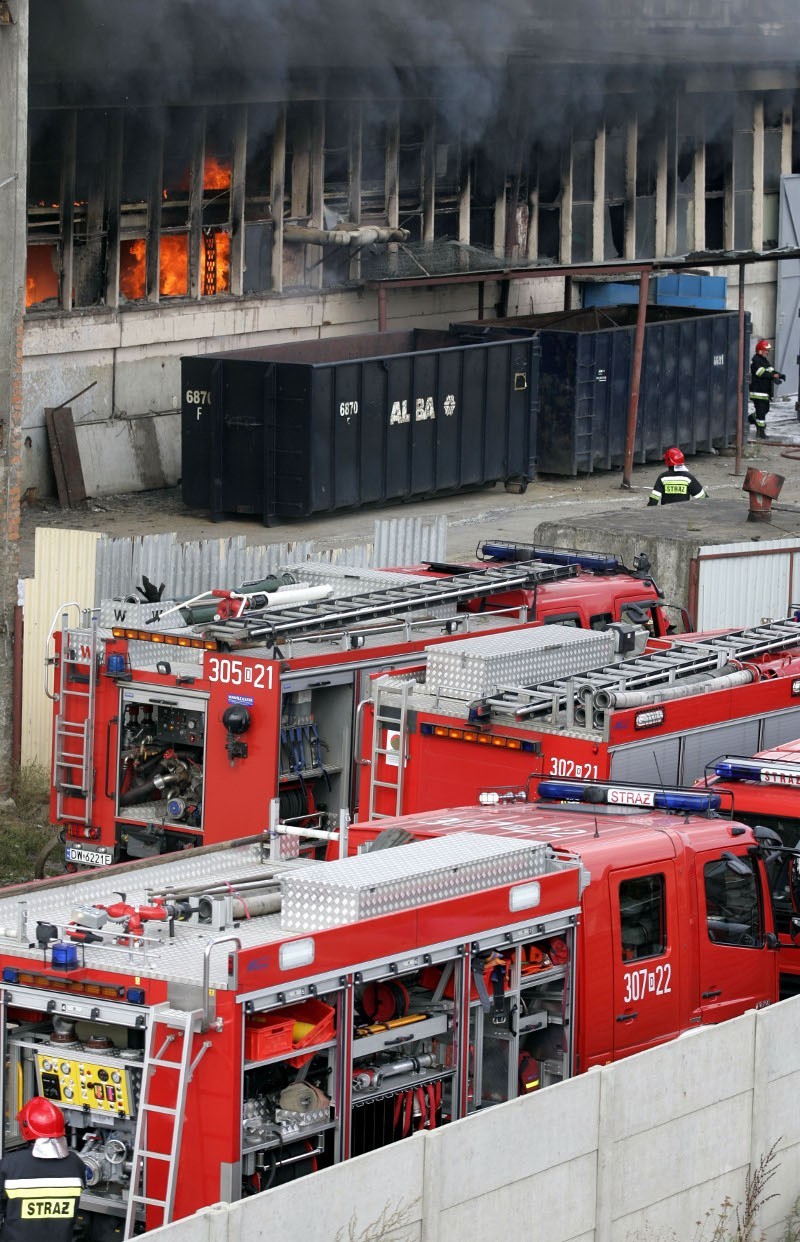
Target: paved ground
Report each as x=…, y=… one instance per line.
x=471, y=517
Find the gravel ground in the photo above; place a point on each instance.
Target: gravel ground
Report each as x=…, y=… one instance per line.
x=471, y=516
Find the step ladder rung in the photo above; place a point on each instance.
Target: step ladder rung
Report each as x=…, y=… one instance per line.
x=159, y=1108
x=162, y=1203
x=166, y=1064
x=156, y=1155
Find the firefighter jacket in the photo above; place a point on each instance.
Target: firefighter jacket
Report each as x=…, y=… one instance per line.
x=676, y=483
x=763, y=378
x=39, y=1198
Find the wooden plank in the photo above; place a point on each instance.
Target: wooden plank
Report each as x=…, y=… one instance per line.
x=66, y=457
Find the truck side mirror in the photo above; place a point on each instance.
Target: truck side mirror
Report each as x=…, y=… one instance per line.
x=735, y=864
x=794, y=927
x=771, y=941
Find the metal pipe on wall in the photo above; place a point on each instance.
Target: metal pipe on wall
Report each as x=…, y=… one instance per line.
x=740, y=373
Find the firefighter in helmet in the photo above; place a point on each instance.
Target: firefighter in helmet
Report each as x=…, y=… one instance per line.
x=41, y=1183
x=763, y=378
x=676, y=483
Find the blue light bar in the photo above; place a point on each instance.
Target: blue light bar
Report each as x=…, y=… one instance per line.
x=730, y=771
x=527, y=552
x=621, y=795
x=761, y=773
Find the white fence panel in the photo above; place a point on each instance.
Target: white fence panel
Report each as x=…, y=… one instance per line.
x=745, y=583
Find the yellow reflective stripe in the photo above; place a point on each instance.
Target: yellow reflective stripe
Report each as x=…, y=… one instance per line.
x=43, y=1187
x=655, y=495
x=30, y=1192
x=760, y=370
x=702, y=494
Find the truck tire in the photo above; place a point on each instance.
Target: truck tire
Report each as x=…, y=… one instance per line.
x=50, y=860
x=389, y=838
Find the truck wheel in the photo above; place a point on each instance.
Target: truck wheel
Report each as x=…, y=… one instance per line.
x=50, y=860
x=390, y=837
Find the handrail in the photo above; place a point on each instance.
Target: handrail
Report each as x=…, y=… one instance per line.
x=207, y=972
x=50, y=661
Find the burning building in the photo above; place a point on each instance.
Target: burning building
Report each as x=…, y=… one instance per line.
x=233, y=174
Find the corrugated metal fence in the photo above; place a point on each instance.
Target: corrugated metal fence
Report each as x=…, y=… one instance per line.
x=745, y=583
x=86, y=567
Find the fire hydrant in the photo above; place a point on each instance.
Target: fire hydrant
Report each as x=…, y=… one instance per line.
x=763, y=488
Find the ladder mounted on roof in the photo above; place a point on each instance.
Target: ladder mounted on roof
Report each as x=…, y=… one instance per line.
x=582, y=701
x=270, y=627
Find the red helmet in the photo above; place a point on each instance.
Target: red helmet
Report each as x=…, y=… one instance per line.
x=674, y=457
x=40, y=1119
x=762, y=347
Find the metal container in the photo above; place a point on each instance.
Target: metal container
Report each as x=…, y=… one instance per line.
x=687, y=393
x=383, y=881
x=312, y=426
x=476, y=667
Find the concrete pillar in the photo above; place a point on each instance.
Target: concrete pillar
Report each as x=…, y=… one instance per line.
x=13, y=193
x=599, y=201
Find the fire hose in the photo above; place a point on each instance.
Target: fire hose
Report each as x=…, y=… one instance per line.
x=417, y=1108
x=372, y=1076
x=640, y=698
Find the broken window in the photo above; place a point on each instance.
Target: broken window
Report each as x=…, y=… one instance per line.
x=44, y=209
x=582, y=198
x=743, y=175
x=773, y=143
x=685, y=159
x=615, y=187
x=549, y=227
x=412, y=145
x=648, y=144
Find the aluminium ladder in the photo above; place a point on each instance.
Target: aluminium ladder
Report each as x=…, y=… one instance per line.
x=390, y=719
x=586, y=695
x=73, y=738
x=272, y=625
x=179, y=1024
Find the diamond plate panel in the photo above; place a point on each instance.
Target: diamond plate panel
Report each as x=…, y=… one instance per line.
x=475, y=668
x=411, y=875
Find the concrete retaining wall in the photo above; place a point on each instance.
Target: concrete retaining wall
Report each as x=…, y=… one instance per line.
x=638, y=1150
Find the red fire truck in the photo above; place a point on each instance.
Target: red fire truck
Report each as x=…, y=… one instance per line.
x=288, y=1014
x=763, y=790
x=550, y=703
x=168, y=733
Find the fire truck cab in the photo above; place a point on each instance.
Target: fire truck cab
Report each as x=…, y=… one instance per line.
x=676, y=926
x=288, y=1014
x=603, y=591
x=763, y=790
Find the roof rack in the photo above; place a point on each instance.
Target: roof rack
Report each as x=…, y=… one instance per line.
x=586, y=698
x=270, y=626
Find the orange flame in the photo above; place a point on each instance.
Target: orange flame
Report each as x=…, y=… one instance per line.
x=132, y=256
x=173, y=275
x=218, y=244
x=216, y=174
x=41, y=280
